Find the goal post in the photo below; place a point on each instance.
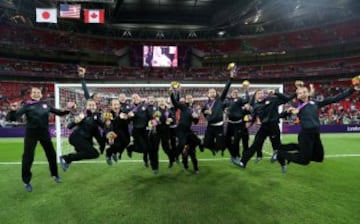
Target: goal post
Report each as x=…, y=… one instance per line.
x=65, y=92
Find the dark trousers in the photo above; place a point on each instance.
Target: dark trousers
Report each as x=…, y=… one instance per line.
x=155, y=137
x=192, y=141
x=154, y=143
x=186, y=137
x=30, y=141
x=165, y=138
x=235, y=133
x=182, y=140
x=266, y=130
x=120, y=143
x=309, y=148
x=140, y=136
x=172, y=132
x=214, y=138
x=84, y=149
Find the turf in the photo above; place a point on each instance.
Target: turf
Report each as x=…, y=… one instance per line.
x=127, y=192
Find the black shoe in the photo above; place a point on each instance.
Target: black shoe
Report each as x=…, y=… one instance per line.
x=213, y=152
x=146, y=164
x=109, y=161
x=64, y=164
x=115, y=158
x=57, y=179
x=171, y=164
x=129, y=150
x=201, y=147
x=129, y=154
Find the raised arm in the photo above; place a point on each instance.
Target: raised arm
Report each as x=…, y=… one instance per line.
x=85, y=89
x=226, y=90
x=232, y=70
x=282, y=99
x=247, y=97
x=59, y=112
x=337, y=98
x=81, y=72
x=175, y=102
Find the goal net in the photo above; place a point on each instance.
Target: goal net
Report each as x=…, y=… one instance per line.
x=74, y=93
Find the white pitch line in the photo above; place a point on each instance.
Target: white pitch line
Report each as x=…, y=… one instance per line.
x=138, y=160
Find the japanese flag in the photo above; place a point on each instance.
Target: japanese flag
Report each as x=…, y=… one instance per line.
x=46, y=15
x=94, y=15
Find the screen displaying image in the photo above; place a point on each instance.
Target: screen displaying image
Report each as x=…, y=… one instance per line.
x=160, y=56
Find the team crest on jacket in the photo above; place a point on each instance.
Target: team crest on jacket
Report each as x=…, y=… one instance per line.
x=127, y=107
x=235, y=100
x=44, y=106
x=267, y=102
x=312, y=102
x=143, y=108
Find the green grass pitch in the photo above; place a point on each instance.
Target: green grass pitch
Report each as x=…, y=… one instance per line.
x=127, y=192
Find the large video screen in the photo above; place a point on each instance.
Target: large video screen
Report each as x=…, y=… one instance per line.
x=160, y=56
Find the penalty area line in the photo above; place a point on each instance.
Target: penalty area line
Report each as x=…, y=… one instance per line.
x=140, y=161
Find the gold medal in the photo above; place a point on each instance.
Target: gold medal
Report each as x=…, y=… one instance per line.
x=245, y=83
x=231, y=66
x=175, y=84
x=295, y=111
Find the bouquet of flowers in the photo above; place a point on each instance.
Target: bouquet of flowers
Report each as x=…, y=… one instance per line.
x=111, y=137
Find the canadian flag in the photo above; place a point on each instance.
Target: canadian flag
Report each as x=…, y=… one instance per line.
x=94, y=15
x=46, y=15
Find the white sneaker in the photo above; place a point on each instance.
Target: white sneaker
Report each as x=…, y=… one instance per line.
x=236, y=161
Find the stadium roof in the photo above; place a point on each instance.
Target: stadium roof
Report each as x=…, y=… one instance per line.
x=189, y=19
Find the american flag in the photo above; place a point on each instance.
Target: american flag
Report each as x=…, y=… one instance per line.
x=70, y=11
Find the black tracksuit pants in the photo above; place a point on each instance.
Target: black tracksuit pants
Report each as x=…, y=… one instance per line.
x=189, y=138
x=161, y=135
x=30, y=141
x=309, y=148
x=172, y=132
x=120, y=144
x=214, y=138
x=234, y=133
x=192, y=141
x=141, y=143
x=271, y=130
x=84, y=148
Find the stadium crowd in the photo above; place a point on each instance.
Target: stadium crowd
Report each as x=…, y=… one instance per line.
x=27, y=68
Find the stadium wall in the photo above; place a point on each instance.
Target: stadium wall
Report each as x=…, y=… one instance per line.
x=287, y=129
